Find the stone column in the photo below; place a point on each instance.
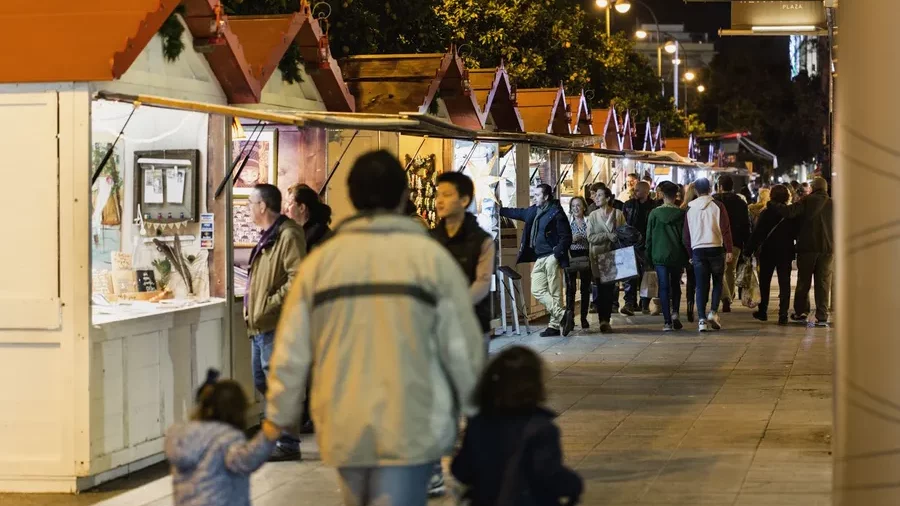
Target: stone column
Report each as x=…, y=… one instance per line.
x=867, y=182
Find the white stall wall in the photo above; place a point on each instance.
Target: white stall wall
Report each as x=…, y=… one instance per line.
x=44, y=287
x=150, y=128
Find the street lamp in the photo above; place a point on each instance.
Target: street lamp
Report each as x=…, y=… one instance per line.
x=623, y=6
x=701, y=88
x=671, y=47
x=603, y=4
x=641, y=34
x=689, y=76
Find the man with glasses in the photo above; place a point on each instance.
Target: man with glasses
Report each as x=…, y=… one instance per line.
x=273, y=264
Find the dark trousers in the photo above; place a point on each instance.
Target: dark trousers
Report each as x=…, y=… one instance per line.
x=691, y=286
x=768, y=267
x=820, y=266
x=604, y=297
x=632, y=287
x=709, y=263
x=669, y=290
x=586, y=282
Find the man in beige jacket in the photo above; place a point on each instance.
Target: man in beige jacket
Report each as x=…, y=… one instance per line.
x=382, y=315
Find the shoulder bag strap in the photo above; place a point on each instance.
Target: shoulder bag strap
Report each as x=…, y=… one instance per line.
x=758, y=249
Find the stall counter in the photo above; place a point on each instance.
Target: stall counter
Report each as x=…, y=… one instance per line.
x=147, y=360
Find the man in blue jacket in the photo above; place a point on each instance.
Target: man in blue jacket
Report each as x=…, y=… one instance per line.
x=545, y=241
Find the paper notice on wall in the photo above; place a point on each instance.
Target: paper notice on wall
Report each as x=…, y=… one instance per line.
x=207, y=230
x=175, y=185
x=153, y=186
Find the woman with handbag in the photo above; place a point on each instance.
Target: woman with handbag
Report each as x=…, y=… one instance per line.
x=602, y=238
x=579, y=262
x=773, y=241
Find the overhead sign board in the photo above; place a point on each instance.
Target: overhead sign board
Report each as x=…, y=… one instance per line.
x=771, y=14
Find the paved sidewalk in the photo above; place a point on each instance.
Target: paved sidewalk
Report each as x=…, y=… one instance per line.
x=738, y=417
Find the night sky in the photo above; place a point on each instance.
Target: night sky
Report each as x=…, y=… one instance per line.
x=698, y=17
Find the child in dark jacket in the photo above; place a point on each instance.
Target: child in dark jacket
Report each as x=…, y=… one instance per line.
x=511, y=452
x=210, y=457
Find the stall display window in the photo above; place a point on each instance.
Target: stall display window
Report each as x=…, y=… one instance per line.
x=147, y=232
x=421, y=176
x=540, y=170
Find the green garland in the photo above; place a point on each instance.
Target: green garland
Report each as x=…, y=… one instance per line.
x=172, y=30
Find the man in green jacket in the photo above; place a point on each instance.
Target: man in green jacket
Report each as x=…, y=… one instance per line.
x=666, y=251
x=273, y=263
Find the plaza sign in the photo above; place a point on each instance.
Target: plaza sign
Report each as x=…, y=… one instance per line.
x=799, y=15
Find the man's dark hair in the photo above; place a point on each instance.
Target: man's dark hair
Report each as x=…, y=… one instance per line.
x=463, y=184
x=597, y=186
x=668, y=189
x=635, y=175
x=702, y=186
x=726, y=183
x=648, y=178
x=512, y=383
x=377, y=182
x=780, y=193
x=547, y=190
x=270, y=195
x=795, y=184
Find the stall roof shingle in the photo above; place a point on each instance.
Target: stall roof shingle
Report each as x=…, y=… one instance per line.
x=544, y=110
x=65, y=40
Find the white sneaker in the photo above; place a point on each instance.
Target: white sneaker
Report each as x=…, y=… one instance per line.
x=702, y=326
x=713, y=320
x=668, y=327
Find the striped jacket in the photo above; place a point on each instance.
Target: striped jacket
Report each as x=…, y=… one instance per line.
x=382, y=315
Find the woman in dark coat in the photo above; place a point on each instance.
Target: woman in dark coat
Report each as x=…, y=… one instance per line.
x=774, y=238
x=305, y=207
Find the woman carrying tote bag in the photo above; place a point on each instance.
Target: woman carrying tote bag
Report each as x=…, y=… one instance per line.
x=602, y=238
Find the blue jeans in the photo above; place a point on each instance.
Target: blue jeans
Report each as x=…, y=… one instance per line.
x=669, y=290
x=385, y=486
x=261, y=346
x=708, y=262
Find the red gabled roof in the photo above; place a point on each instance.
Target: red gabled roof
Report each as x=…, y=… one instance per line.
x=493, y=91
x=605, y=125
x=329, y=81
x=461, y=104
x=582, y=121
x=65, y=40
x=264, y=40
x=544, y=110
x=227, y=59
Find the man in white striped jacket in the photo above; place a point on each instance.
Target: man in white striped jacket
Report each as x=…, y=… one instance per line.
x=707, y=237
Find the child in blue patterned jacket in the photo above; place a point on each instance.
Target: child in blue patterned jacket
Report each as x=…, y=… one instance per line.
x=210, y=457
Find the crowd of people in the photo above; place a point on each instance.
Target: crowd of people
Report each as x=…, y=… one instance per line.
x=375, y=335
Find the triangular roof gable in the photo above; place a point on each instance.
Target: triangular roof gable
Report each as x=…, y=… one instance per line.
x=327, y=76
x=626, y=133
x=649, y=139
x=582, y=122
x=611, y=129
x=226, y=58
x=451, y=81
x=61, y=40
x=265, y=39
x=658, y=138
x=544, y=110
x=391, y=84
x=494, y=92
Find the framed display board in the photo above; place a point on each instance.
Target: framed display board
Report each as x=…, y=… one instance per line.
x=246, y=233
x=166, y=185
x=262, y=161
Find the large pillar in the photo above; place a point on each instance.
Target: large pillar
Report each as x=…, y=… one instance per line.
x=867, y=181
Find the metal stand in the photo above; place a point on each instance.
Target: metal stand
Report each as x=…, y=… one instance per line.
x=511, y=281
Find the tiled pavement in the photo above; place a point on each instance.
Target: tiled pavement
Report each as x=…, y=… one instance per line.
x=739, y=417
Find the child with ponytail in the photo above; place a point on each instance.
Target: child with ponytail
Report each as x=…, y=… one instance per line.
x=210, y=457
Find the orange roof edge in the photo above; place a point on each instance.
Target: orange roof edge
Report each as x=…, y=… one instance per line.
x=92, y=41
x=265, y=39
x=329, y=82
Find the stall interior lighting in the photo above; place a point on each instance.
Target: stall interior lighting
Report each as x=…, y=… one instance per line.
x=787, y=28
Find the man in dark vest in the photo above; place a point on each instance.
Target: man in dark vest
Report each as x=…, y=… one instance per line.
x=475, y=251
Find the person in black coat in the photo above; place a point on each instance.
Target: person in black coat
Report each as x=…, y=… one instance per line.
x=637, y=214
x=511, y=453
x=774, y=238
x=739, y=216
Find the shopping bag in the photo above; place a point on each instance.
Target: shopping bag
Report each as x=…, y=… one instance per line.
x=751, y=291
x=649, y=285
x=744, y=273
x=616, y=265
